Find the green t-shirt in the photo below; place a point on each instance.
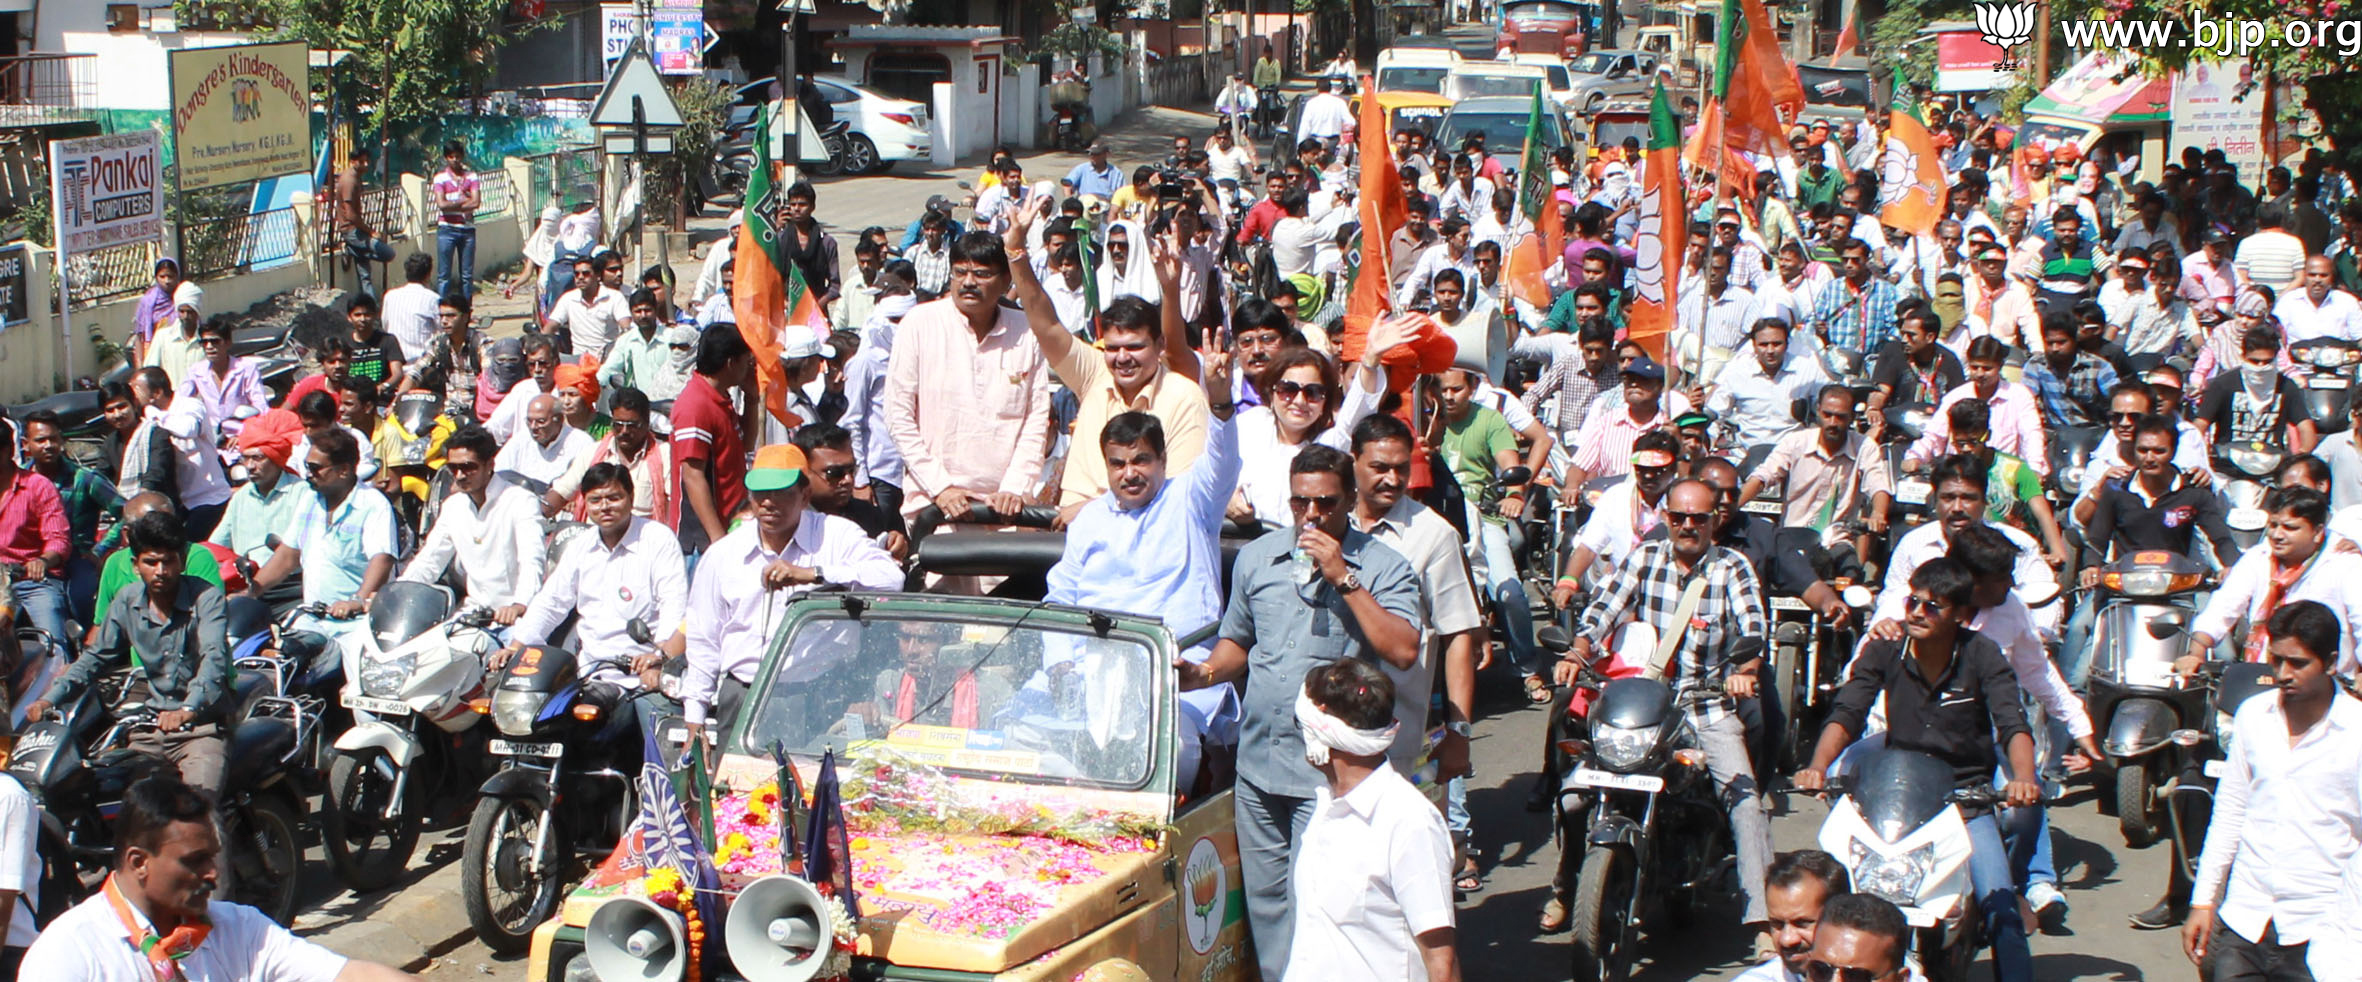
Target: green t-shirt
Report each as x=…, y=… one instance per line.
x=2012, y=484
x=117, y=573
x=1471, y=446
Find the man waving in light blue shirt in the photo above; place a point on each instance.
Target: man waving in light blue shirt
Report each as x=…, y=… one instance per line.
x=1153, y=546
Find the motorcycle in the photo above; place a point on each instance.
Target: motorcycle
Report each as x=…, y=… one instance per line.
x=1914, y=496
x=2329, y=379
x=1808, y=656
x=562, y=797
x=1897, y=828
x=412, y=675
x=1066, y=125
x=2189, y=799
x=1641, y=829
x=2137, y=702
x=78, y=763
x=2070, y=452
x=2248, y=471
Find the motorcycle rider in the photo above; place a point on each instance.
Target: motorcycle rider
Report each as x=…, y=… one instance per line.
x=2291, y=564
x=1626, y=511
x=1759, y=395
x=2016, y=415
x=343, y=538
x=1707, y=602
x=2286, y=815
x=1913, y=368
x=634, y=569
x=2258, y=403
x=2015, y=490
x=1949, y=694
x=174, y=634
x=1824, y=483
x=1959, y=485
x=488, y=526
x=2159, y=507
x=2112, y=459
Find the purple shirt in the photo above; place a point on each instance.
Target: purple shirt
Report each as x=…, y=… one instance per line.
x=2016, y=424
x=222, y=396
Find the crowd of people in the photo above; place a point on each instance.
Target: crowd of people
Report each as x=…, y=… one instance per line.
x=1164, y=353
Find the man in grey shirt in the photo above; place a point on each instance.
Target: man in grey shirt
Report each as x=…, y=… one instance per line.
x=1299, y=598
x=178, y=628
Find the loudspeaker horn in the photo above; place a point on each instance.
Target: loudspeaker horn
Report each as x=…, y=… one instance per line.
x=630, y=939
x=780, y=930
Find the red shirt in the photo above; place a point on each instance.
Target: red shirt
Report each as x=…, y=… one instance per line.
x=32, y=520
x=705, y=427
x=307, y=385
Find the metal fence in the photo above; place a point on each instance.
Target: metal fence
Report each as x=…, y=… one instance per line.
x=241, y=242
x=47, y=88
x=111, y=273
x=387, y=210
x=493, y=188
x=557, y=174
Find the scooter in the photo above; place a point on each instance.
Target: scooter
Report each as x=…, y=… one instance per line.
x=1897, y=828
x=410, y=678
x=2248, y=471
x=2329, y=379
x=2137, y=702
x=2189, y=798
x=2070, y=452
x=1641, y=829
x=562, y=797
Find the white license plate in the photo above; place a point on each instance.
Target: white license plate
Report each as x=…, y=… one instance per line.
x=382, y=707
x=1590, y=778
x=1912, y=492
x=1789, y=603
x=2246, y=519
x=2212, y=768
x=507, y=749
x=1761, y=507
x=2327, y=381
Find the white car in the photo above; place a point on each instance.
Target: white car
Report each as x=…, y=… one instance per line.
x=881, y=129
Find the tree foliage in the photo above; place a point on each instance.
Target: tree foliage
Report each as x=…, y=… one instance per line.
x=410, y=59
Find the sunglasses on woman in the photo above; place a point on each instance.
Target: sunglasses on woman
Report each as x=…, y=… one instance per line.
x=1312, y=391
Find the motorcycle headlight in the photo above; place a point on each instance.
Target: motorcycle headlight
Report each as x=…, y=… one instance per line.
x=2326, y=356
x=1619, y=748
x=2145, y=583
x=1894, y=879
x=514, y=712
x=2071, y=480
x=2256, y=462
x=383, y=678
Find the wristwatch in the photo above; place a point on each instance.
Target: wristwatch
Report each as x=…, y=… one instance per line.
x=1351, y=585
x=1461, y=728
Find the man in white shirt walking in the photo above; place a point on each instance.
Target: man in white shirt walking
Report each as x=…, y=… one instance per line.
x=1325, y=115
x=1371, y=890
x=408, y=312
x=2287, y=816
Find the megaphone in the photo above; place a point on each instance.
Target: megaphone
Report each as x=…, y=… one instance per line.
x=779, y=930
x=630, y=939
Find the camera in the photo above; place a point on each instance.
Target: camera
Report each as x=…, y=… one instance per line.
x=1168, y=183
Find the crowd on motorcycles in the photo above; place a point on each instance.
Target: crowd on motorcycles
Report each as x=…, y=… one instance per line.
x=1929, y=523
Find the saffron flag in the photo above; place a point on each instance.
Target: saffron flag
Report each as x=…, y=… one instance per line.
x=1535, y=252
x=1910, y=174
x=1664, y=228
x=1708, y=150
x=759, y=291
x=1383, y=210
x=1755, y=84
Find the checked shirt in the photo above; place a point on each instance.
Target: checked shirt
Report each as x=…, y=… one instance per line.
x=1649, y=586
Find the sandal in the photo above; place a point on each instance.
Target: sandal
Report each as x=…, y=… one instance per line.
x=1554, y=916
x=1537, y=691
x=1470, y=878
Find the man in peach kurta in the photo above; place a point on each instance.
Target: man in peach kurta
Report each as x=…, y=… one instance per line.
x=968, y=391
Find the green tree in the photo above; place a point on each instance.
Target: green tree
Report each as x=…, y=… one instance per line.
x=409, y=59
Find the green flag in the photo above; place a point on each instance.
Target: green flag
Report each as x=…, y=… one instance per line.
x=1533, y=174
x=762, y=198
x=1730, y=35
x=1082, y=249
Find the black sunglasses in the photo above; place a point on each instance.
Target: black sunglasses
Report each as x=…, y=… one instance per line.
x=1930, y=605
x=1821, y=971
x=1315, y=391
x=837, y=473
x=1687, y=517
x=2125, y=417
x=1327, y=502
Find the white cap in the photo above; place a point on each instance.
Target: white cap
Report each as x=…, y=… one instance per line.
x=799, y=341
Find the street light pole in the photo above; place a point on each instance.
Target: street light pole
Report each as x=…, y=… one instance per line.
x=792, y=151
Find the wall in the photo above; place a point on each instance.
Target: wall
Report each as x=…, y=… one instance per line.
x=134, y=72
x=1177, y=81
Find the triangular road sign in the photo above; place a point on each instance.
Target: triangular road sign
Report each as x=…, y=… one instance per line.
x=635, y=77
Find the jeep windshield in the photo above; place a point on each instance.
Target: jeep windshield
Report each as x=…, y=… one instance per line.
x=986, y=697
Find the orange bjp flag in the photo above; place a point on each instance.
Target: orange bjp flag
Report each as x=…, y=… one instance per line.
x=1664, y=229
x=1753, y=80
x=1910, y=176
x=1383, y=211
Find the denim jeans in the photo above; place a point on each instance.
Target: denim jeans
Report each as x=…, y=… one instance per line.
x=1508, y=595
x=2074, y=658
x=364, y=251
x=44, y=603
x=455, y=260
x=1997, y=901
x=81, y=577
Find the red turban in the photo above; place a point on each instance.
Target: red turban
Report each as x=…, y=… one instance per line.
x=271, y=434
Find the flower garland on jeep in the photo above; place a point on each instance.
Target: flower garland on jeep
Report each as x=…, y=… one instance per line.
x=666, y=888
x=913, y=835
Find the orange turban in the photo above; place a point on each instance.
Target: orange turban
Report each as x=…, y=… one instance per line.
x=271, y=434
x=577, y=377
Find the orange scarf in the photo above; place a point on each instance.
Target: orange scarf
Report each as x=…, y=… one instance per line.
x=658, y=454
x=2275, y=588
x=164, y=953
x=963, y=700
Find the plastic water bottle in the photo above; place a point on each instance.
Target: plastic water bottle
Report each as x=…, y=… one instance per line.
x=1300, y=563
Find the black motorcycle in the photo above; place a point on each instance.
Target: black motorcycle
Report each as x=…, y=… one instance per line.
x=1641, y=830
x=562, y=798
x=77, y=766
x=2189, y=799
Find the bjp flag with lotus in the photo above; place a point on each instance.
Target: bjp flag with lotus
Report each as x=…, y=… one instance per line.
x=1910, y=173
x=1664, y=230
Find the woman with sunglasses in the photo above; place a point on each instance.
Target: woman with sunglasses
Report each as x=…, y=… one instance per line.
x=1304, y=405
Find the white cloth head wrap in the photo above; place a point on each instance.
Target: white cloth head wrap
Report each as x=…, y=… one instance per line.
x=1323, y=733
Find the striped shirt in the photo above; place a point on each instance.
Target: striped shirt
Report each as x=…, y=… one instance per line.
x=2271, y=258
x=1861, y=320
x=1649, y=586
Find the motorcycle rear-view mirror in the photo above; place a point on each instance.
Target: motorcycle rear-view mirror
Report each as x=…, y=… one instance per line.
x=2164, y=627
x=639, y=631
x=1516, y=475
x=1554, y=639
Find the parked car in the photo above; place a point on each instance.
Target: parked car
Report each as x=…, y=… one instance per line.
x=1604, y=75
x=880, y=129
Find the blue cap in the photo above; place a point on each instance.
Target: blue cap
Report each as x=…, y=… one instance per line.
x=1647, y=368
